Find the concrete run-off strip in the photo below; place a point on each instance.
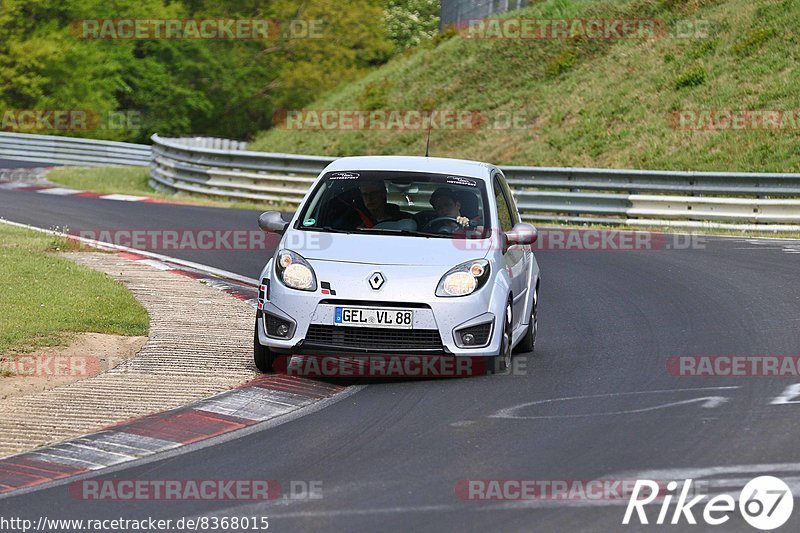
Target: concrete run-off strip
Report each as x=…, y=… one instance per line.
x=200, y=344
x=194, y=379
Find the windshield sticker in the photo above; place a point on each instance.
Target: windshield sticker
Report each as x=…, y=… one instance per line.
x=309, y=222
x=344, y=176
x=456, y=180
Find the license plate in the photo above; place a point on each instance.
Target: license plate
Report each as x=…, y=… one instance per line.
x=374, y=318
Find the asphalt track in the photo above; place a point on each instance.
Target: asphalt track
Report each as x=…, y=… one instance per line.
x=13, y=163
x=390, y=456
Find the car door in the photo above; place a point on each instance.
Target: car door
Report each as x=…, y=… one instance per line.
x=526, y=276
x=516, y=259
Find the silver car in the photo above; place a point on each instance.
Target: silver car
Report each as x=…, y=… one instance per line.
x=400, y=255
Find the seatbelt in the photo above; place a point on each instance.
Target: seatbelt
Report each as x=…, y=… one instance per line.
x=367, y=222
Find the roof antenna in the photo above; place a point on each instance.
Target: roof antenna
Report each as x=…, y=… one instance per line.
x=428, y=142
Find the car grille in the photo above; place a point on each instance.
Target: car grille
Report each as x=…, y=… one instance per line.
x=374, y=339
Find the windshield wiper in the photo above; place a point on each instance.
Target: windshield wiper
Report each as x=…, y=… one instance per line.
x=374, y=231
x=329, y=229
x=397, y=231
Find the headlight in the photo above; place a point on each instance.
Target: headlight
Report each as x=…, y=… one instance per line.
x=294, y=271
x=464, y=279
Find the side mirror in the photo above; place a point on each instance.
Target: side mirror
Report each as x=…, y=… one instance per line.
x=273, y=222
x=522, y=233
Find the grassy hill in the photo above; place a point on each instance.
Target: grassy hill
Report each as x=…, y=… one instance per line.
x=603, y=103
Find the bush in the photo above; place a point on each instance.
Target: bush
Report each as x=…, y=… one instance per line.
x=691, y=77
x=561, y=62
x=754, y=40
x=409, y=23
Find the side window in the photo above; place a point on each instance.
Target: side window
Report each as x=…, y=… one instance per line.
x=503, y=209
x=512, y=204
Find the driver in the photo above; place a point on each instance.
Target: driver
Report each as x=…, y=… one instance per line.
x=446, y=203
x=373, y=194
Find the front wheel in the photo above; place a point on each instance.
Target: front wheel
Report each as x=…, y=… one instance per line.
x=263, y=357
x=500, y=363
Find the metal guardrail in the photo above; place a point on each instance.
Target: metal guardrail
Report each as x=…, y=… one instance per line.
x=580, y=195
x=224, y=168
x=54, y=149
x=181, y=165
x=737, y=200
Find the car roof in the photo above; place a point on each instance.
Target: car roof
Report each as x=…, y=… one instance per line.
x=436, y=165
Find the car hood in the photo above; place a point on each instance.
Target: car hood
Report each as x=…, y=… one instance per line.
x=381, y=249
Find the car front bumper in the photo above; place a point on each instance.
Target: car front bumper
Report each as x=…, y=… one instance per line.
x=438, y=322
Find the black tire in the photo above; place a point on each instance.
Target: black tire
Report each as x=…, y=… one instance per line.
x=263, y=357
x=528, y=342
x=500, y=363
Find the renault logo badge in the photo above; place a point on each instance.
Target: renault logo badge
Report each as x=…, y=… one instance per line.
x=376, y=280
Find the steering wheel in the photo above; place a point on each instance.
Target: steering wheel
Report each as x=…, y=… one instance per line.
x=446, y=225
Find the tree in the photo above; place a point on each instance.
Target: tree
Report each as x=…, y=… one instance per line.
x=215, y=87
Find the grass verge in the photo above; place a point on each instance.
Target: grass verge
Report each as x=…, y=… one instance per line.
x=46, y=298
x=133, y=180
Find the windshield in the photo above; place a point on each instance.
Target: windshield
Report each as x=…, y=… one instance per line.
x=397, y=203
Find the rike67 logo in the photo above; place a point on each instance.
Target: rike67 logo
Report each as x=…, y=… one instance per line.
x=765, y=503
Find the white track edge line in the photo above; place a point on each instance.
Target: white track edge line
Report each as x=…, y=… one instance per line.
x=107, y=246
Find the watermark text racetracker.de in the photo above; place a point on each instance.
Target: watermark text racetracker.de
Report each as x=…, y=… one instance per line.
x=196, y=28
x=614, y=240
x=734, y=366
x=733, y=120
x=394, y=366
x=589, y=240
x=46, y=366
x=549, y=490
x=68, y=120
x=401, y=119
x=200, y=239
x=607, y=29
x=195, y=490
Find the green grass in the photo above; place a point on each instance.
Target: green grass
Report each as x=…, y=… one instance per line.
x=590, y=103
x=127, y=180
x=46, y=298
x=110, y=180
